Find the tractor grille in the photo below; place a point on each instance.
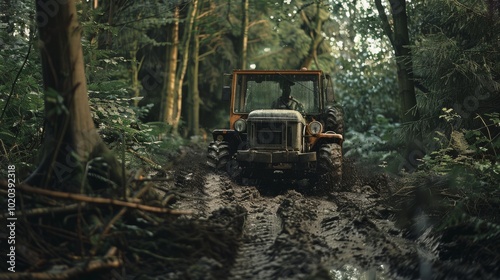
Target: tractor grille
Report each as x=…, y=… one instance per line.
x=276, y=130
x=269, y=133
x=272, y=135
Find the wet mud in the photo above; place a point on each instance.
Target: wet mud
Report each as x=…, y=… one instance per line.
x=288, y=230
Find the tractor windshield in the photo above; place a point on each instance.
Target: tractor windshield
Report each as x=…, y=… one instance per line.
x=265, y=91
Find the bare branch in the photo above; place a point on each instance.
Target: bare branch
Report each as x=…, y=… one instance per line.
x=97, y=200
x=386, y=26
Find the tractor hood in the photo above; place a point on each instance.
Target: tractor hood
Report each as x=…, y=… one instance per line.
x=275, y=129
x=276, y=115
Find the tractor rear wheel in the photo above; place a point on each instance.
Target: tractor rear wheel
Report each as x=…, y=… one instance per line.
x=335, y=120
x=218, y=154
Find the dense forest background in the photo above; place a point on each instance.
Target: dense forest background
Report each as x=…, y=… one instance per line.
x=419, y=81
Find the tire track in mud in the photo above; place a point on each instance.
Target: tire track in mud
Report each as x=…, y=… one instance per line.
x=293, y=235
x=218, y=193
x=275, y=241
x=286, y=231
x=261, y=228
x=363, y=239
x=279, y=240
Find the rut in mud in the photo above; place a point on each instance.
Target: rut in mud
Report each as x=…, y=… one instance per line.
x=290, y=234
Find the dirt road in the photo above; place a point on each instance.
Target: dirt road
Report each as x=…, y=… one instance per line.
x=286, y=230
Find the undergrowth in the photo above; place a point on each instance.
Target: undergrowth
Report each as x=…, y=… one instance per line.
x=456, y=188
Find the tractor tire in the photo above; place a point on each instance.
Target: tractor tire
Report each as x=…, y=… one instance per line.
x=335, y=120
x=329, y=164
x=218, y=154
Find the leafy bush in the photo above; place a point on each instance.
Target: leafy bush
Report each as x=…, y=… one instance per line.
x=473, y=152
x=21, y=104
x=119, y=122
x=374, y=145
x=457, y=188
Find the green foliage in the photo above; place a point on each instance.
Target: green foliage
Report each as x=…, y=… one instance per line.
x=470, y=161
x=55, y=104
x=474, y=151
x=372, y=145
x=456, y=58
x=120, y=127
x=456, y=188
x=21, y=101
x=109, y=84
x=365, y=82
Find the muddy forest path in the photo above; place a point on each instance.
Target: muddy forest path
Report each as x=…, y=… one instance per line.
x=291, y=234
x=287, y=230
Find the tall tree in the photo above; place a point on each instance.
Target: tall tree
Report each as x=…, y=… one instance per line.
x=71, y=139
x=177, y=56
x=399, y=37
x=302, y=28
x=168, y=92
x=244, y=35
x=193, y=98
x=184, y=50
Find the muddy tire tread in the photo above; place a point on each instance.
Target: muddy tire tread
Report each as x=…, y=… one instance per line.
x=218, y=154
x=335, y=120
x=330, y=161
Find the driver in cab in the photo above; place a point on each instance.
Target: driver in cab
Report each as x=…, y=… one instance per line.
x=286, y=101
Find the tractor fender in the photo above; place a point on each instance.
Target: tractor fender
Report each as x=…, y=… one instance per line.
x=327, y=137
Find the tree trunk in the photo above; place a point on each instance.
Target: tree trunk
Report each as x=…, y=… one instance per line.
x=167, y=109
x=244, y=34
x=193, y=91
x=400, y=40
x=186, y=40
x=314, y=30
x=71, y=138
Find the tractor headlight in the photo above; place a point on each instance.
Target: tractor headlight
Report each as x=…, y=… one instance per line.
x=315, y=127
x=240, y=125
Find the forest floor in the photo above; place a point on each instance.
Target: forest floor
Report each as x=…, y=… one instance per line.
x=280, y=229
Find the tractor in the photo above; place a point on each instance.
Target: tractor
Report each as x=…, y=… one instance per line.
x=281, y=123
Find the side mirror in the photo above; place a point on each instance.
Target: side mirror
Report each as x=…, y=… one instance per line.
x=226, y=93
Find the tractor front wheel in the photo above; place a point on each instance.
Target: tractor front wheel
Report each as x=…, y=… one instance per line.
x=329, y=164
x=218, y=154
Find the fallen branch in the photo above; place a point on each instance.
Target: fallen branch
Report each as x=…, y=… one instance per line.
x=451, y=196
x=146, y=160
x=122, y=211
x=154, y=180
x=410, y=190
x=47, y=210
x=71, y=273
x=156, y=256
x=97, y=200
